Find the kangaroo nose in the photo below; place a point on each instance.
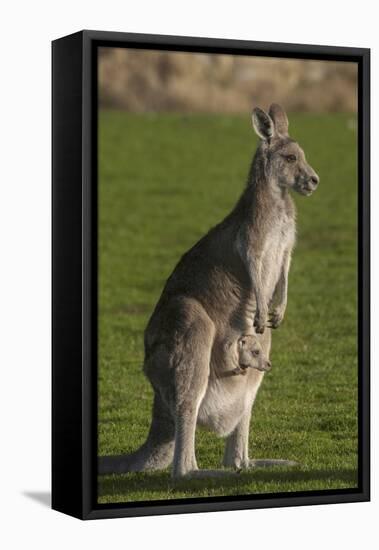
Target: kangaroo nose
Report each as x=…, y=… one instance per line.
x=315, y=179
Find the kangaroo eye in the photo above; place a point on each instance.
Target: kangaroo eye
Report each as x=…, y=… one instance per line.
x=291, y=158
x=256, y=352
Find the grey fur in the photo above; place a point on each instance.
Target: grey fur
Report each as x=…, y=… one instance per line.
x=247, y=353
x=234, y=280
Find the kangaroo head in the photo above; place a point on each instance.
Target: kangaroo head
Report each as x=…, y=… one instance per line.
x=285, y=163
x=250, y=353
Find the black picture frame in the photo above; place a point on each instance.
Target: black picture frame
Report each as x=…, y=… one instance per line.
x=74, y=272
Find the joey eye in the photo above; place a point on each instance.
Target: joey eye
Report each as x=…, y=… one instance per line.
x=256, y=352
x=290, y=158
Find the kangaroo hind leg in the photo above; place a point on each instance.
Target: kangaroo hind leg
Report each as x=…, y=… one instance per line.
x=191, y=374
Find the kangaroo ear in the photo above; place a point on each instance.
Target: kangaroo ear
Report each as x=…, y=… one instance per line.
x=280, y=119
x=262, y=124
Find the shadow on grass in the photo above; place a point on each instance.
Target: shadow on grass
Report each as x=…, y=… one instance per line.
x=161, y=482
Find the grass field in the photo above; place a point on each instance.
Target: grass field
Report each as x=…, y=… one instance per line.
x=164, y=180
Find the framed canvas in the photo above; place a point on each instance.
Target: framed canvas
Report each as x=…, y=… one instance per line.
x=210, y=239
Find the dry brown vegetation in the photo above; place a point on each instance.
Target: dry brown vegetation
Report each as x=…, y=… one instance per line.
x=141, y=80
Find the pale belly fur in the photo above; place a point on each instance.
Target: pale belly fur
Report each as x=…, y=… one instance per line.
x=226, y=400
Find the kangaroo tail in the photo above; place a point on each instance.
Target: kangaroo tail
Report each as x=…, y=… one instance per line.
x=155, y=454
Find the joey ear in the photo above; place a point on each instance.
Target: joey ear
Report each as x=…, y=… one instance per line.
x=262, y=124
x=280, y=119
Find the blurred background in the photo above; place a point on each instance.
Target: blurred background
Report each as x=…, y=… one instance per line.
x=146, y=81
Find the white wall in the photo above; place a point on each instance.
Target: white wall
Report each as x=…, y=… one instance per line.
x=27, y=29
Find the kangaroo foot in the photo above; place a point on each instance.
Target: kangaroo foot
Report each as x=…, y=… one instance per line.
x=267, y=463
x=203, y=474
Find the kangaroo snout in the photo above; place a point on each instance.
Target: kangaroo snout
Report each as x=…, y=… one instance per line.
x=310, y=184
x=267, y=366
x=314, y=180
x=264, y=366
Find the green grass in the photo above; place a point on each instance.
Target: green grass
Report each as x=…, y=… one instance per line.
x=164, y=181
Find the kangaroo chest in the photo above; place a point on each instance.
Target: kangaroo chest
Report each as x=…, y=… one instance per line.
x=278, y=242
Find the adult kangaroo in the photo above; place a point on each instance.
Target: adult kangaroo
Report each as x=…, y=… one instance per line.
x=232, y=282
